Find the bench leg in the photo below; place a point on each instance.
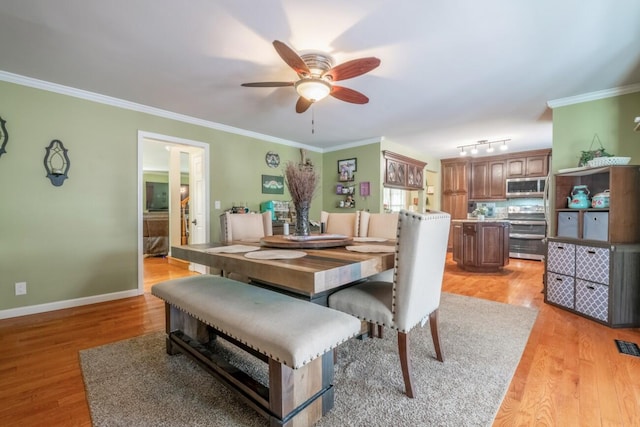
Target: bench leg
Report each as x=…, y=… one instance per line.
x=300, y=397
x=178, y=320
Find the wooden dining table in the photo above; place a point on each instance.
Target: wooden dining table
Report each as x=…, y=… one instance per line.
x=313, y=276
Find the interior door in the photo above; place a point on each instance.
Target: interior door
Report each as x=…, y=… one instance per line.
x=153, y=155
x=198, y=229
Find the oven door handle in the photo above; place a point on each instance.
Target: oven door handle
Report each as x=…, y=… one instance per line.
x=527, y=236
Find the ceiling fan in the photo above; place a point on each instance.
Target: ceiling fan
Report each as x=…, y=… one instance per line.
x=317, y=74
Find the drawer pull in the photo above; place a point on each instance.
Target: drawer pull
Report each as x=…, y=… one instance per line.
x=591, y=251
x=559, y=247
x=591, y=287
x=558, y=279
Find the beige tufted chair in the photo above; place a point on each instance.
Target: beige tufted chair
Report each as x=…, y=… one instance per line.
x=383, y=225
x=245, y=227
x=414, y=294
x=341, y=223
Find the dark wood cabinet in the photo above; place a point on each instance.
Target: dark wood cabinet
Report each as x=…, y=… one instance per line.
x=532, y=164
x=488, y=180
x=456, y=238
x=403, y=172
x=455, y=196
x=481, y=246
x=592, y=264
x=454, y=176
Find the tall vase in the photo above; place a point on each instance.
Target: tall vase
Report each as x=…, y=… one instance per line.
x=302, y=218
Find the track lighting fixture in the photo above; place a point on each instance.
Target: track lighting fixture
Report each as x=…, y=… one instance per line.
x=490, y=148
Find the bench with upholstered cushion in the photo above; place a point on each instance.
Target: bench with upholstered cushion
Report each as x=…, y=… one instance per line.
x=294, y=337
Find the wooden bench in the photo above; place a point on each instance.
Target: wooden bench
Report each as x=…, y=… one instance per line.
x=294, y=337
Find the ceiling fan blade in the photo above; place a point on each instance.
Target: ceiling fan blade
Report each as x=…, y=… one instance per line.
x=348, y=95
x=267, y=84
x=303, y=105
x=292, y=59
x=353, y=68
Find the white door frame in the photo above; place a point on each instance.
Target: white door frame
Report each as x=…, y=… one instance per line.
x=142, y=135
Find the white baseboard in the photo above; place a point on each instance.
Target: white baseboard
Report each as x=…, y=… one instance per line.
x=59, y=305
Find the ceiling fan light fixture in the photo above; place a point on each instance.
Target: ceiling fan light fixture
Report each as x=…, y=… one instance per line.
x=313, y=89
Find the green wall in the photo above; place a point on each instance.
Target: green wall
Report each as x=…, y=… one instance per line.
x=368, y=169
x=574, y=127
x=81, y=239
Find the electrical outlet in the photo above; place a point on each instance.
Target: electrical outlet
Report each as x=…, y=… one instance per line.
x=21, y=288
x=216, y=204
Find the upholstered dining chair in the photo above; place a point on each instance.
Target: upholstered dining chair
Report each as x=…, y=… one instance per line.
x=345, y=223
x=415, y=292
x=383, y=225
x=245, y=227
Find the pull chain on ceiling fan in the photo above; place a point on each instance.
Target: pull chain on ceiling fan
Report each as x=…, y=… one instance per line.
x=316, y=76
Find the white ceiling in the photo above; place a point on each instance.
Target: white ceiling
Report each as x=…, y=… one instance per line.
x=453, y=71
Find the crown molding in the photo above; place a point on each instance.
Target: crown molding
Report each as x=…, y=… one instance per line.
x=354, y=144
x=594, y=96
x=128, y=105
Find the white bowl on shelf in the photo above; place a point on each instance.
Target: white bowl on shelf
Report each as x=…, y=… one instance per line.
x=608, y=161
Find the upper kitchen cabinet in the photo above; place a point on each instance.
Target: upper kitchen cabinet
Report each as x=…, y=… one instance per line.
x=488, y=180
x=529, y=164
x=403, y=172
x=454, y=176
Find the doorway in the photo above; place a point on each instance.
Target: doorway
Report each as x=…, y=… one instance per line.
x=173, y=188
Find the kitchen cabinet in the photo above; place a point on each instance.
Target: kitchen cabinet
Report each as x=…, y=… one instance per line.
x=454, y=176
x=529, y=164
x=481, y=246
x=455, y=196
x=403, y=172
x=488, y=180
x=592, y=264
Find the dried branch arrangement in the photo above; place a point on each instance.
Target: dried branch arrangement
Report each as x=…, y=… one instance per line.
x=302, y=181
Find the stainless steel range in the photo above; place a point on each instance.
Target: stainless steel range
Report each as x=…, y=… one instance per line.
x=527, y=232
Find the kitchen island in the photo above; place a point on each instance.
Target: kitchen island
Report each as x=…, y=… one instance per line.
x=481, y=245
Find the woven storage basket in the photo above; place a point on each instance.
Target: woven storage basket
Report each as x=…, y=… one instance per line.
x=608, y=161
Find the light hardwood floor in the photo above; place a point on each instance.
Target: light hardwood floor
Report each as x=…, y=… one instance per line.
x=570, y=374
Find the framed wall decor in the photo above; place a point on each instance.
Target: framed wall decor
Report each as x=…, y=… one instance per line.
x=365, y=189
x=272, y=184
x=346, y=168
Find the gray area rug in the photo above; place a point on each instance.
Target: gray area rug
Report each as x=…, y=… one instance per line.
x=135, y=383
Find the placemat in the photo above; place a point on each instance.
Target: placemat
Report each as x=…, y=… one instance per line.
x=233, y=249
x=369, y=239
x=276, y=254
x=371, y=248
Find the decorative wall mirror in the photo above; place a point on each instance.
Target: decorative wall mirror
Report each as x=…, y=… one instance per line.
x=56, y=162
x=4, y=136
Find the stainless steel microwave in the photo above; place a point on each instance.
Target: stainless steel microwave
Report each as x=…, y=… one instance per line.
x=525, y=187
